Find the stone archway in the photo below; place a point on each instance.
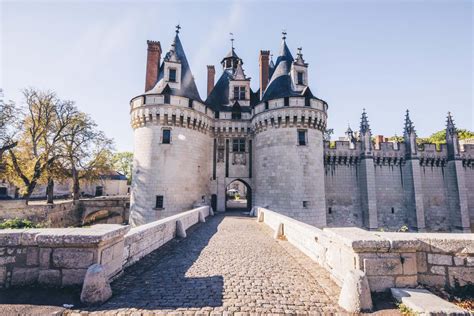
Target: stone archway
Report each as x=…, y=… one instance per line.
x=238, y=196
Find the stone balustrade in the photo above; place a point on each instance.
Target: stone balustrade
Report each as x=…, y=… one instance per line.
x=60, y=257
x=388, y=259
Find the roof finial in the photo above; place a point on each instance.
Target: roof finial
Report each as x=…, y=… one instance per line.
x=299, y=50
x=178, y=27
x=231, y=40
x=283, y=33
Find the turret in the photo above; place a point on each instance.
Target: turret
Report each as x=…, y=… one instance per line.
x=299, y=72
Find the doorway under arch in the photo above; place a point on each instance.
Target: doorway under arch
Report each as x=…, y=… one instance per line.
x=238, y=196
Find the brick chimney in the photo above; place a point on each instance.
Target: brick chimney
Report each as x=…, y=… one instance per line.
x=152, y=64
x=379, y=139
x=211, y=73
x=263, y=60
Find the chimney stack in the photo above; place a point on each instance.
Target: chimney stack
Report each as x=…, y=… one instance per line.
x=152, y=64
x=264, y=59
x=211, y=73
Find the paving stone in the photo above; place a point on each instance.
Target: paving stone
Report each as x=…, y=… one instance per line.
x=228, y=265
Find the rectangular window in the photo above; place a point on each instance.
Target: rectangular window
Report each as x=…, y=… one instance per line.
x=216, y=114
x=266, y=105
x=238, y=145
x=302, y=137
x=305, y=204
x=159, y=201
x=300, y=77
x=287, y=101
x=239, y=93
x=166, y=136
x=190, y=103
x=167, y=99
x=172, y=75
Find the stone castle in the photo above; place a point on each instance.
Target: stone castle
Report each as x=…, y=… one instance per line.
x=189, y=150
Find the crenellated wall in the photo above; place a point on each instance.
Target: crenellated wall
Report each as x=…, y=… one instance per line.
x=419, y=191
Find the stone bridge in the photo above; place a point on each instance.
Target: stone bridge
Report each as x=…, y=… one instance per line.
x=231, y=263
x=66, y=213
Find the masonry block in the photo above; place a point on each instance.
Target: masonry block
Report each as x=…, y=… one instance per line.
x=439, y=259
x=460, y=276
x=44, y=257
x=381, y=283
x=406, y=281
x=72, y=258
x=383, y=266
x=49, y=277
x=32, y=256
x=73, y=276
x=24, y=276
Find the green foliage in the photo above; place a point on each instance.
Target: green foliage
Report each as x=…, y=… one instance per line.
x=403, y=229
x=440, y=136
x=405, y=310
x=122, y=162
x=17, y=223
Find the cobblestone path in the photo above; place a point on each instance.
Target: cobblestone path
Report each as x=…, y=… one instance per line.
x=228, y=264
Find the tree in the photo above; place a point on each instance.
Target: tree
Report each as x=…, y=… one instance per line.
x=328, y=133
x=122, y=162
x=440, y=136
x=10, y=117
x=85, y=151
x=44, y=125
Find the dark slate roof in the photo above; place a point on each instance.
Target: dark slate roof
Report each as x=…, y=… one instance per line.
x=285, y=54
x=219, y=96
x=188, y=86
x=231, y=54
x=220, y=93
x=113, y=175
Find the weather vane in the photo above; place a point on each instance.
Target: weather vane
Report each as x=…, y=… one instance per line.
x=299, y=50
x=178, y=27
x=232, y=40
x=283, y=32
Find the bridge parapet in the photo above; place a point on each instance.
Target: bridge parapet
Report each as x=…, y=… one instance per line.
x=60, y=257
x=388, y=259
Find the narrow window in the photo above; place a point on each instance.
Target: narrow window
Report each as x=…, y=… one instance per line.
x=393, y=210
x=302, y=137
x=190, y=103
x=159, y=201
x=216, y=114
x=166, y=136
x=305, y=204
x=236, y=93
x=266, y=105
x=287, y=101
x=242, y=93
x=238, y=145
x=300, y=77
x=330, y=210
x=172, y=75
x=167, y=99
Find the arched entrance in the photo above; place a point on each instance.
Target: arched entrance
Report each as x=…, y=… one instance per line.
x=238, y=196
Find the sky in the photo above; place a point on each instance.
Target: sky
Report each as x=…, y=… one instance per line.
x=384, y=56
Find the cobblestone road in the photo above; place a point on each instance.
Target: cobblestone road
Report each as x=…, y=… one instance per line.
x=230, y=263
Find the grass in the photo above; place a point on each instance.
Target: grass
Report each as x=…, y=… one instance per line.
x=405, y=310
x=18, y=223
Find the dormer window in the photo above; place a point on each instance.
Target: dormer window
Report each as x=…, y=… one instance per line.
x=239, y=93
x=172, y=75
x=300, y=77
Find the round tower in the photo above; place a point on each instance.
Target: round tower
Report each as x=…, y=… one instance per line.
x=172, y=142
x=289, y=123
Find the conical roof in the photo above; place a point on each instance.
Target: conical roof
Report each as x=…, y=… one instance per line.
x=188, y=86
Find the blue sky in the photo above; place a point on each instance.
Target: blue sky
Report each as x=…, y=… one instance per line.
x=386, y=56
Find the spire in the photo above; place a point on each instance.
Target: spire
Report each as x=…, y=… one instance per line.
x=299, y=57
x=409, y=127
x=450, y=127
x=231, y=60
x=239, y=72
x=285, y=54
x=364, y=123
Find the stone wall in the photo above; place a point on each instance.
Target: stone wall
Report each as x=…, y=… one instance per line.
x=60, y=257
x=67, y=213
x=288, y=175
x=144, y=239
x=424, y=193
x=178, y=171
x=388, y=259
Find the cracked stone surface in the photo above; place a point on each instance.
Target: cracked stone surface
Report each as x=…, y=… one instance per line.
x=228, y=264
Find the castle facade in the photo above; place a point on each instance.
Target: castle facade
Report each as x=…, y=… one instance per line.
x=189, y=151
